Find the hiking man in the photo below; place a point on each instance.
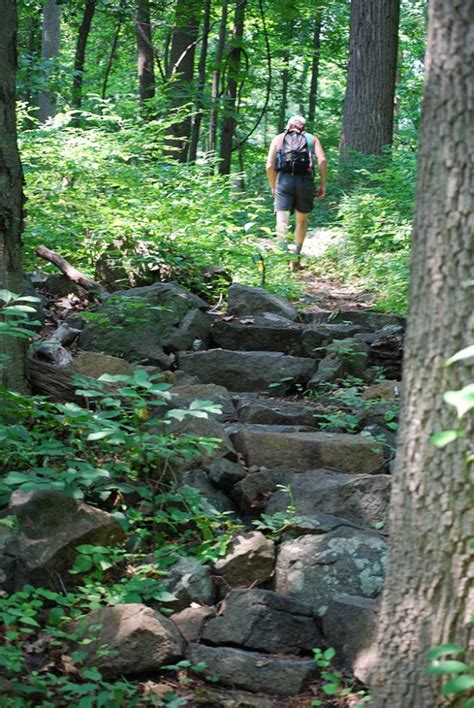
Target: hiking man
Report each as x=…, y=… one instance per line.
x=290, y=171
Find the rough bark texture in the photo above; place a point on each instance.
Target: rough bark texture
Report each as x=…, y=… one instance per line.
x=216, y=77
x=80, y=55
x=429, y=594
x=369, y=101
x=313, y=89
x=201, y=82
x=146, y=71
x=50, y=39
x=12, y=374
x=112, y=53
x=183, y=49
x=233, y=71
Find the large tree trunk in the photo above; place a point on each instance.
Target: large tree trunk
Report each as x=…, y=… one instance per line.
x=50, y=38
x=111, y=57
x=233, y=71
x=146, y=70
x=80, y=56
x=216, y=77
x=285, y=77
x=201, y=83
x=181, y=70
x=313, y=89
x=12, y=351
x=367, y=124
x=429, y=595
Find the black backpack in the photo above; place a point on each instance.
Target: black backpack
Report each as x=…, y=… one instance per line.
x=295, y=155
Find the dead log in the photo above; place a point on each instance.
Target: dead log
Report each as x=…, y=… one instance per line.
x=94, y=288
x=52, y=381
x=64, y=334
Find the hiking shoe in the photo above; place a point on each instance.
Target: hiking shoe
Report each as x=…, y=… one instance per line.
x=296, y=266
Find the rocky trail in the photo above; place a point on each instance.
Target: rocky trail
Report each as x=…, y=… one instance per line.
x=305, y=443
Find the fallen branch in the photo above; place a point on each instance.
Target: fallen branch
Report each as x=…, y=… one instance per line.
x=72, y=273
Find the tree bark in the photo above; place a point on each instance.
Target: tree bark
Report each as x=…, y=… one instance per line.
x=181, y=71
x=146, y=68
x=80, y=55
x=50, y=40
x=285, y=76
x=367, y=124
x=233, y=70
x=315, y=53
x=111, y=58
x=216, y=77
x=72, y=273
x=201, y=83
x=12, y=351
x=429, y=594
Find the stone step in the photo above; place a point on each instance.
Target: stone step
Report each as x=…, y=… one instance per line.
x=267, y=332
x=301, y=451
x=248, y=371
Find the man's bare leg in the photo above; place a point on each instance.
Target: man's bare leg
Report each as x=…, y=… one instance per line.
x=282, y=221
x=300, y=235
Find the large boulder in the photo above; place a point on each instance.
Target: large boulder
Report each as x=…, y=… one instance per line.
x=263, y=621
x=368, y=320
x=51, y=526
x=245, y=300
x=250, y=560
x=350, y=626
x=189, y=581
x=271, y=411
x=365, y=500
x=194, y=427
x=183, y=395
x=136, y=639
x=253, y=671
x=269, y=332
x=146, y=324
x=215, y=500
x=353, y=454
x=248, y=371
x=318, y=336
x=317, y=568
x=94, y=364
x=192, y=620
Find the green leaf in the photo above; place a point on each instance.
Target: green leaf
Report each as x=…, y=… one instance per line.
x=448, y=666
x=462, y=400
x=100, y=434
x=444, y=437
x=443, y=650
x=465, y=353
x=330, y=689
x=329, y=653
x=459, y=684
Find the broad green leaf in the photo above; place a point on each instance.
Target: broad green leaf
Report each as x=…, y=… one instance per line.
x=465, y=353
x=459, y=684
x=100, y=434
x=462, y=400
x=444, y=437
x=448, y=666
x=443, y=650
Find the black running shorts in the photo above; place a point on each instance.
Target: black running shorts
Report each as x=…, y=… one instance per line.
x=294, y=192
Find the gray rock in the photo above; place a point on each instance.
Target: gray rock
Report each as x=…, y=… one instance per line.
x=350, y=626
x=52, y=525
x=140, y=323
x=276, y=412
x=317, y=568
x=216, y=500
x=58, y=285
x=365, y=500
x=367, y=319
x=224, y=474
x=192, y=620
x=252, y=493
x=329, y=370
x=137, y=639
x=320, y=335
x=8, y=558
x=95, y=364
x=253, y=671
x=353, y=454
x=245, y=300
x=247, y=371
x=194, y=325
x=315, y=524
x=264, y=621
x=249, y=561
x=189, y=581
x=268, y=332
x=201, y=428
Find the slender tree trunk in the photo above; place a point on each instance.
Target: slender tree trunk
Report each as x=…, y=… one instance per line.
x=111, y=58
x=233, y=69
x=313, y=88
x=12, y=351
x=285, y=76
x=201, y=83
x=181, y=69
x=216, y=76
x=80, y=56
x=146, y=70
x=50, y=40
x=367, y=124
x=429, y=593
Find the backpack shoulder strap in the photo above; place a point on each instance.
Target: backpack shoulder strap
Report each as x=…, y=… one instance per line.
x=310, y=142
x=279, y=140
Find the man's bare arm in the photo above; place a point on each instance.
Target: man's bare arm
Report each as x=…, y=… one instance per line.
x=271, y=171
x=322, y=167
